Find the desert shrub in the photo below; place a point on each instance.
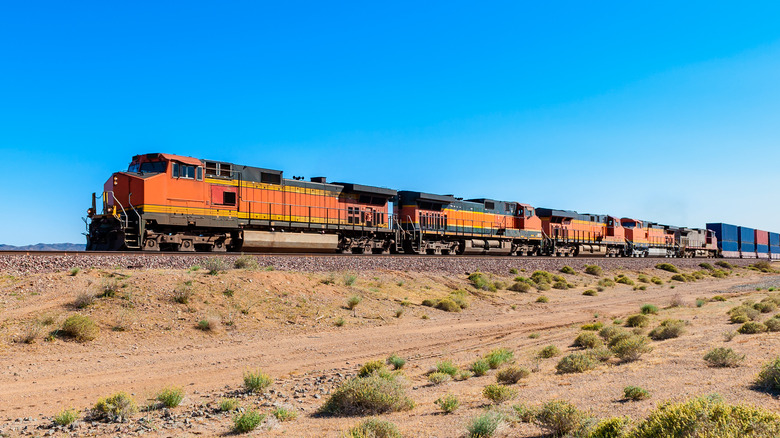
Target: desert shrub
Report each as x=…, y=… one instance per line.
x=368, y=395
x=717, y=273
x=541, y=277
x=396, y=361
x=214, y=265
x=590, y=293
x=723, y=357
x=667, y=267
x=285, y=414
x=534, y=336
x=525, y=413
x=543, y=287
x=480, y=281
x=448, y=403
x=638, y=320
x=480, y=367
x=656, y=280
x=649, y=309
x=170, y=397
x=353, y=301
x=228, y=405
x=438, y=378
x=512, y=374
x=182, y=294
x=763, y=266
x=635, y=393
x=499, y=393
x=499, y=356
x=245, y=262
x=700, y=302
x=349, y=279
x=707, y=417
x=772, y=325
x=257, y=381
x=561, y=284
x=568, y=270
x=643, y=278
x=622, y=279
x=606, y=282
x=80, y=327
x=448, y=305
x=707, y=266
x=447, y=367
x=669, y=328
x=542, y=299
x=374, y=428
x=247, y=421
x=371, y=367
x=484, y=425
x=514, y=271
x=752, y=327
x=765, y=306
x=208, y=324
x=601, y=354
x=30, y=332
x=83, y=299
x=632, y=348
x=520, y=286
x=464, y=375
x=339, y=322
x=576, y=363
x=607, y=333
x=615, y=427
x=117, y=407
x=560, y=418
x=593, y=270
x=548, y=352
x=66, y=416
x=679, y=277
x=769, y=377
x=587, y=340
x=593, y=326
x=724, y=264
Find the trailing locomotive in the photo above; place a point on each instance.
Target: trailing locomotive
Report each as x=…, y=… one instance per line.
x=176, y=203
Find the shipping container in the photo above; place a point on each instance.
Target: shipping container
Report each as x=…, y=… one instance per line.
x=724, y=232
x=728, y=246
x=774, y=239
x=747, y=235
x=762, y=251
x=762, y=237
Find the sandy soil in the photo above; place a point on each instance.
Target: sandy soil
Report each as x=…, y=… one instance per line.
x=284, y=323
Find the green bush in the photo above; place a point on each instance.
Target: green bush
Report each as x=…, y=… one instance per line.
x=499, y=393
x=80, y=327
x=635, y=393
x=543, y=287
x=371, y=367
x=773, y=324
x=170, y=397
x=520, y=286
x=638, y=320
x=643, y=278
x=117, y=407
x=247, y=421
x=607, y=333
x=542, y=277
x=669, y=328
x=374, y=428
x=601, y=354
x=593, y=326
x=568, y=270
x=606, y=282
x=228, y=405
x=479, y=281
x=448, y=305
x=484, y=425
x=548, y=352
x=353, y=301
x=514, y=271
x=752, y=327
x=769, y=377
x=257, y=381
x=707, y=417
x=667, y=267
x=349, y=279
x=499, y=356
x=480, y=367
x=656, y=280
x=765, y=306
x=632, y=348
x=724, y=264
x=464, y=375
x=622, y=279
x=615, y=427
x=587, y=340
x=448, y=403
x=339, y=322
x=593, y=270
x=396, y=361
x=723, y=357
x=66, y=416
x=560, y=418
x=371, y=395
x=447, y=367
x=542, y=299
x=438, y=378
x=512, y=374
x=245, y=262
x=649, y=309
x=576, y=363
x=590, y=293
x=283, y=414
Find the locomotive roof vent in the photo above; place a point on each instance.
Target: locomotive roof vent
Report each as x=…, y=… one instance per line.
x=319, y=179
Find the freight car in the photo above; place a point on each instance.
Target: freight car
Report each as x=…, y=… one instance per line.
x=177, y=203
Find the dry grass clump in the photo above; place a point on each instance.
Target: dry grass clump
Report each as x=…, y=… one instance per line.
x=353, y=301
x=214, y=265
x=454, y=302
x=590, y=293
x=520, y=286
x=246, y=262
x=568, y=270
x=257, y=381
x=512, y=374
x=622, y=279
x=499, y=393
x=542, y=299
x=669, y=328
x=480, y=367
x=182, y=293
x=371, y=367
x=437, y=378
x=593, y=326
x=375, y=394
x=116, y=408
x=283, y=413
x=772, y=325
x=228, y=405
x=374, y=428
x=723, y=358
x=481, y=282
x=80, y=327
x=649, y=309
x=208, y=324
x=32, y=331
x=83, y=300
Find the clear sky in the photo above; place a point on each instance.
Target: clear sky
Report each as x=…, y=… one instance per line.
x=668, y=111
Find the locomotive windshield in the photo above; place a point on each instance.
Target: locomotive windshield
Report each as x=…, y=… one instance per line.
x=151, y=167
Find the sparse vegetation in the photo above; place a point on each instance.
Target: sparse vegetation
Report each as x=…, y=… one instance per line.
x=208, y=324
x=228, y=405
x=349, y=279
x=723, y=357
x=257, y=381
x=83, y=300
x=667, y=267
x=512, y=374
x=593, y=270
x=638, y=320
x=560, y=418
x=247, y=421
x=649, y=309
x=182, y=294
x=214, y=265
x=66, y=416
x=448, y=403
x=635, y=393
x=587, y=340
x=752, y=327
x=80, y=327
x=116, y=408
x=283, y=413
x=339, y=322
x=669, y=328
x=353, y=301
x=371, y=395
x=548, y=352
x=170, y=397
x=485, y=425
x=499, y=393
x=396, y=361
x=499, y=356
x=631, y=348
x=374, y=428
x=568, y=270
x=480, y=367
x=576, y=363
x=245, y=262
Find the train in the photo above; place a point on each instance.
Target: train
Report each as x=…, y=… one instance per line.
x=166, y=202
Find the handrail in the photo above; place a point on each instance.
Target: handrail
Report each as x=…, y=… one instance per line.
x=120, y=204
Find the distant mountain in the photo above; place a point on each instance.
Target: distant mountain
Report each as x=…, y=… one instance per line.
x=45, y=247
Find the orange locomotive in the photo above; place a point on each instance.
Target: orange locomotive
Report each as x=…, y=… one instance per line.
x=177, y=203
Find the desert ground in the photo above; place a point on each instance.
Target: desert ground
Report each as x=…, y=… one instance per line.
x=185, y=327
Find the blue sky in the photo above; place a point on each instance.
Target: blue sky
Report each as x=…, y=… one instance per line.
x=664, y=110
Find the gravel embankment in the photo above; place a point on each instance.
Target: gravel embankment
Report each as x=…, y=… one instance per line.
x=26, y=264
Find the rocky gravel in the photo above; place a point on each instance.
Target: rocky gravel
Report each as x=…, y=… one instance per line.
x=15, y=264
